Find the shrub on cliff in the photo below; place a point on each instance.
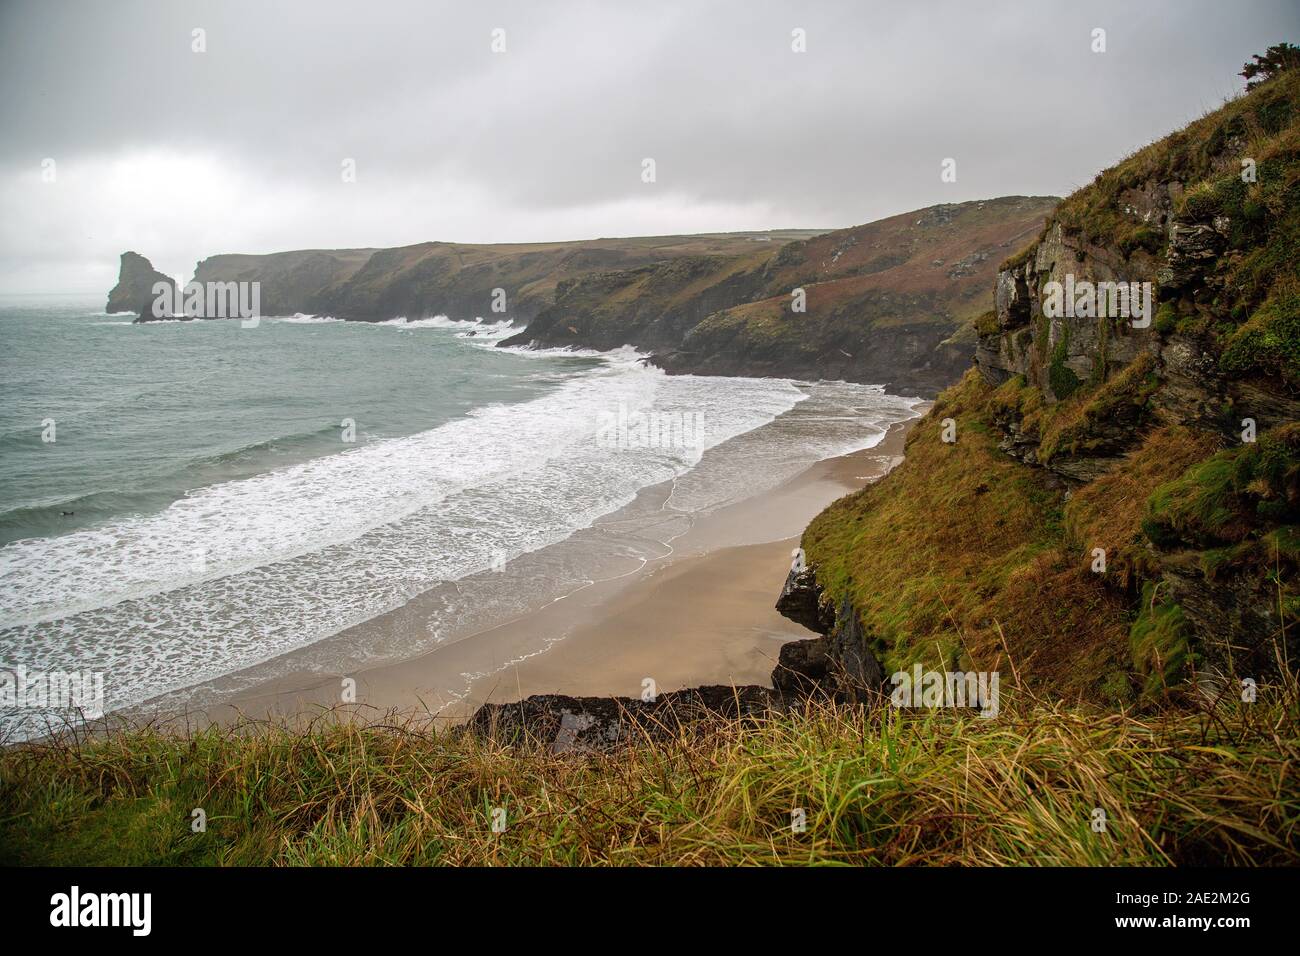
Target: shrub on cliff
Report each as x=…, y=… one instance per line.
x=1279, y=57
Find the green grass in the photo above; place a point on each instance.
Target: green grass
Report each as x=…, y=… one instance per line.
x=1062, y=379
x=960, y=557
x=1269, y=341
x=1109, y=511
x=886, y=787
x=1231, y=497
x=1262, y=121
x=1072, y=427
x=1159, y=642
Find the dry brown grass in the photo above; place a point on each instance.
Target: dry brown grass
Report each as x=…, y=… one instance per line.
x=1107, y=513
x=885, y=787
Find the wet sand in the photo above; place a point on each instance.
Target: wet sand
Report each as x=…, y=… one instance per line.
x=702, y=613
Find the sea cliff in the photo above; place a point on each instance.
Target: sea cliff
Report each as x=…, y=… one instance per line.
x=891, y=302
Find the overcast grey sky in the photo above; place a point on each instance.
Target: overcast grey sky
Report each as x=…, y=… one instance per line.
x=180, y=155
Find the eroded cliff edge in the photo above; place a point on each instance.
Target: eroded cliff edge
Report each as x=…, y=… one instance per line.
x=1108, y=504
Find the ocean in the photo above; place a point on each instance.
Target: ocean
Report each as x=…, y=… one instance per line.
x=183, y=500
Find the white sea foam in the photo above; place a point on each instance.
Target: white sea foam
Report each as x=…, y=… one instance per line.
x=302, y=318
x=573, y=351
x=486, y=332
x=237, y=573
x=466, y=328
x=432, y=322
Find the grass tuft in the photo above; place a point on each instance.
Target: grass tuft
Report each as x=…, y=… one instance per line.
x=886, y=787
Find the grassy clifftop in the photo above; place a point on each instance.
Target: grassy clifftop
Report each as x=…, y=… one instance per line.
x=890, y=302
x=881, y=788
x=882, y=302
x=1119, y=514
x=458, y=279
x=893, y=293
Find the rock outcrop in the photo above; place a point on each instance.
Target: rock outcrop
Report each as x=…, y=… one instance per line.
x=801, y=601
x=1058, y=354
x=584, y=724
x=840, y=664
x=135, y=284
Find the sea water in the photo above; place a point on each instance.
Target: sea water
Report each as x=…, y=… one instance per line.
x=181, y=500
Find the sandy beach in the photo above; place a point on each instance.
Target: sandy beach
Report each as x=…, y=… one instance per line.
x=700, y=613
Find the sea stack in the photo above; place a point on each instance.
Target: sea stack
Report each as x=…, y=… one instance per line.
x=134, y=289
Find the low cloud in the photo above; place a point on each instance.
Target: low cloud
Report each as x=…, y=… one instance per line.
x=180, y=155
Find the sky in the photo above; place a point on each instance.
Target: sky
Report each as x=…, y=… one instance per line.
x=514, y=122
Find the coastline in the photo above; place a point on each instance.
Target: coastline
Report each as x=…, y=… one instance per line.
x=701, y=613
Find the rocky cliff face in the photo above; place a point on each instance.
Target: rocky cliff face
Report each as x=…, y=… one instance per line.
x=886, y=303
x=459, y=280
x=1201, y=217
x=1153, y=482
x=134, y=290
x=301, y=281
